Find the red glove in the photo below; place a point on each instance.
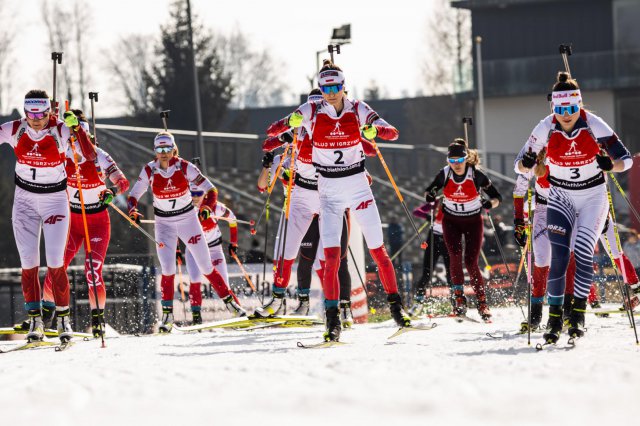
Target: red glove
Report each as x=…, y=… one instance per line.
x=208, y=205
x=87, y=148
x=368, y=148
x=134, y=214
x=278, y=127
x=271, y=143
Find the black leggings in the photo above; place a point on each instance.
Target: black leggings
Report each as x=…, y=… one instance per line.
x=308, y=250
x=438, y=248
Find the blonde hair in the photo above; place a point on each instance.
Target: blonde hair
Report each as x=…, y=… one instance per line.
x=176, y=152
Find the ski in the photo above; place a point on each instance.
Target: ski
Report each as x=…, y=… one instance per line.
x=239, y=322
x=64, y=345
x=460, y=318
x=47, y=333
x=403, y=330
x=267, y=325
x=599, y=312
x=320, y=345
x=505, y=334
x=29, y=345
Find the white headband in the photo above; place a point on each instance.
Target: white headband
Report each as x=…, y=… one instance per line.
x=330, y=77
x=37, y=105
x=566, y=97
x=163, y=140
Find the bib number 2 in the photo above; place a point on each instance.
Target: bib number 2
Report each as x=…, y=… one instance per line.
x=339, y=160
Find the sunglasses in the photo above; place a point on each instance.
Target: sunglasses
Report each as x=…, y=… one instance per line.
x=36, y=115
x=334, y=88
x=164, y=149
x=456, y=160
x=569, y=109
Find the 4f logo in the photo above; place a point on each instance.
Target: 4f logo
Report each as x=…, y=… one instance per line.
x=53, y=219
x=364, y=205
x=194, y=240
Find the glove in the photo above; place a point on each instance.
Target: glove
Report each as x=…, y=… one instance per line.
x=487, y=204
x=286, y=137
x=122, y=184
x=604, y=162
x=369, y=131
x=295, y=119
x=70, y=120
x=205, y=213
x=430, y=197
x=134, y=214
x=179, y=257
x=106, y=196
x=529, y=159
x=233, y=249
x=267, y=160
x=520, y=232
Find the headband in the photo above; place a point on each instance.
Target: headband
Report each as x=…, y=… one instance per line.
x=330, y=77
x=566, y=97
x=37, y=105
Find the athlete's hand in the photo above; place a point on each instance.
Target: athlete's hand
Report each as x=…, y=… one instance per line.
x=205, y=213
x=487, y=204
x=106, y=196
x=179, y=257
x=267, y=160
x=429, y=197
x=295, y=119
x=233, y=249
x=529, y=159
x=604, y=162
x=135, y=215
x=70, y=120
x=286, y=137
x=369, y=131
x=520, y=232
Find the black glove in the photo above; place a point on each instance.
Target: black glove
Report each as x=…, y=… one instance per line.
x=286, y=137
x=529, y=159
x=267, y=160
x=604, y=162
x=487, y=204
x=520, y=232
x=233, y=249
x=179, y=257
x=430, y=197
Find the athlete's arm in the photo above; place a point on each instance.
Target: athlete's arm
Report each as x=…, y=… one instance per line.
x=141, y=184
x=436, y=185
x=112, y=172
x=611, y=143
x=536, y=142
x=483, y=181
x=6, y=132
x=368, y=116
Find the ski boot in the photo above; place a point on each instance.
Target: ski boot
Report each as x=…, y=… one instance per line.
x=36, y=328
x=576, y=320
x=303, y=305
x=554, y=325
x=459, y=301
x=398, y=313
x=49, y=315
x=65, y=332
x=418, y=305
x=596, y=305
x=275, y=306
x=566, y=310
x=485, y=313
x=346, y=316
x=167, y=320
x=234, y=307
x=97, y=323
x=536, y=318
x=332, y=334
x=196, y=318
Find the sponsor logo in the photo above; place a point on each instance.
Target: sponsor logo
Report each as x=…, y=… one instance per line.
x=169, y=185
x=53, y=219
x=573, y=149
x=216, y=262
x=336, y=131
x=305, y=244
x=556, y=229
x=95, y=240
x=194, y=240
x=364, y=205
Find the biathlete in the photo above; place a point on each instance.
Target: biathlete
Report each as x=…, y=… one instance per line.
x=461, y=183
x=580, y=148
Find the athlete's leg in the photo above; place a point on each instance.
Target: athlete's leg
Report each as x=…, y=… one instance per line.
x=308, y=251
x=195, y=279
x=55, y=213
x=473, y=237
x=99, y=235
x=166, y=232
x=343, y=271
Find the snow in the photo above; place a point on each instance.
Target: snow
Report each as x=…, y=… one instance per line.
x=453, y=374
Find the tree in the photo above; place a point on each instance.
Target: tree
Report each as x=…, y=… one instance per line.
x=255, y=77
x=170, y=81
x=372, y=92
x=7, y=37
x=448, y=64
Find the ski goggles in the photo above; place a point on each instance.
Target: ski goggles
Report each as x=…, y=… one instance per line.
x=36, y=115
x=164, y=149
x=456, y=160
x=333, y=88
x=566, y=109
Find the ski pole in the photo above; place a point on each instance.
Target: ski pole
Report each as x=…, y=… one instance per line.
x=93, y=96
x=431, y=253
x=244, y=272
x=266, y=238
x=624, y=196
x=288, y=209
x=270, y=188
x=408, y=242
x=56, y=57
x=423, y=245
x=529, y=268
x=135, y=225
x=355, y=264
x=87, y=240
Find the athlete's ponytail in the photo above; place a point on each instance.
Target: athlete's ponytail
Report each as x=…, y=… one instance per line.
x=328, y=65
x=565, y=82
x=540, y=168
